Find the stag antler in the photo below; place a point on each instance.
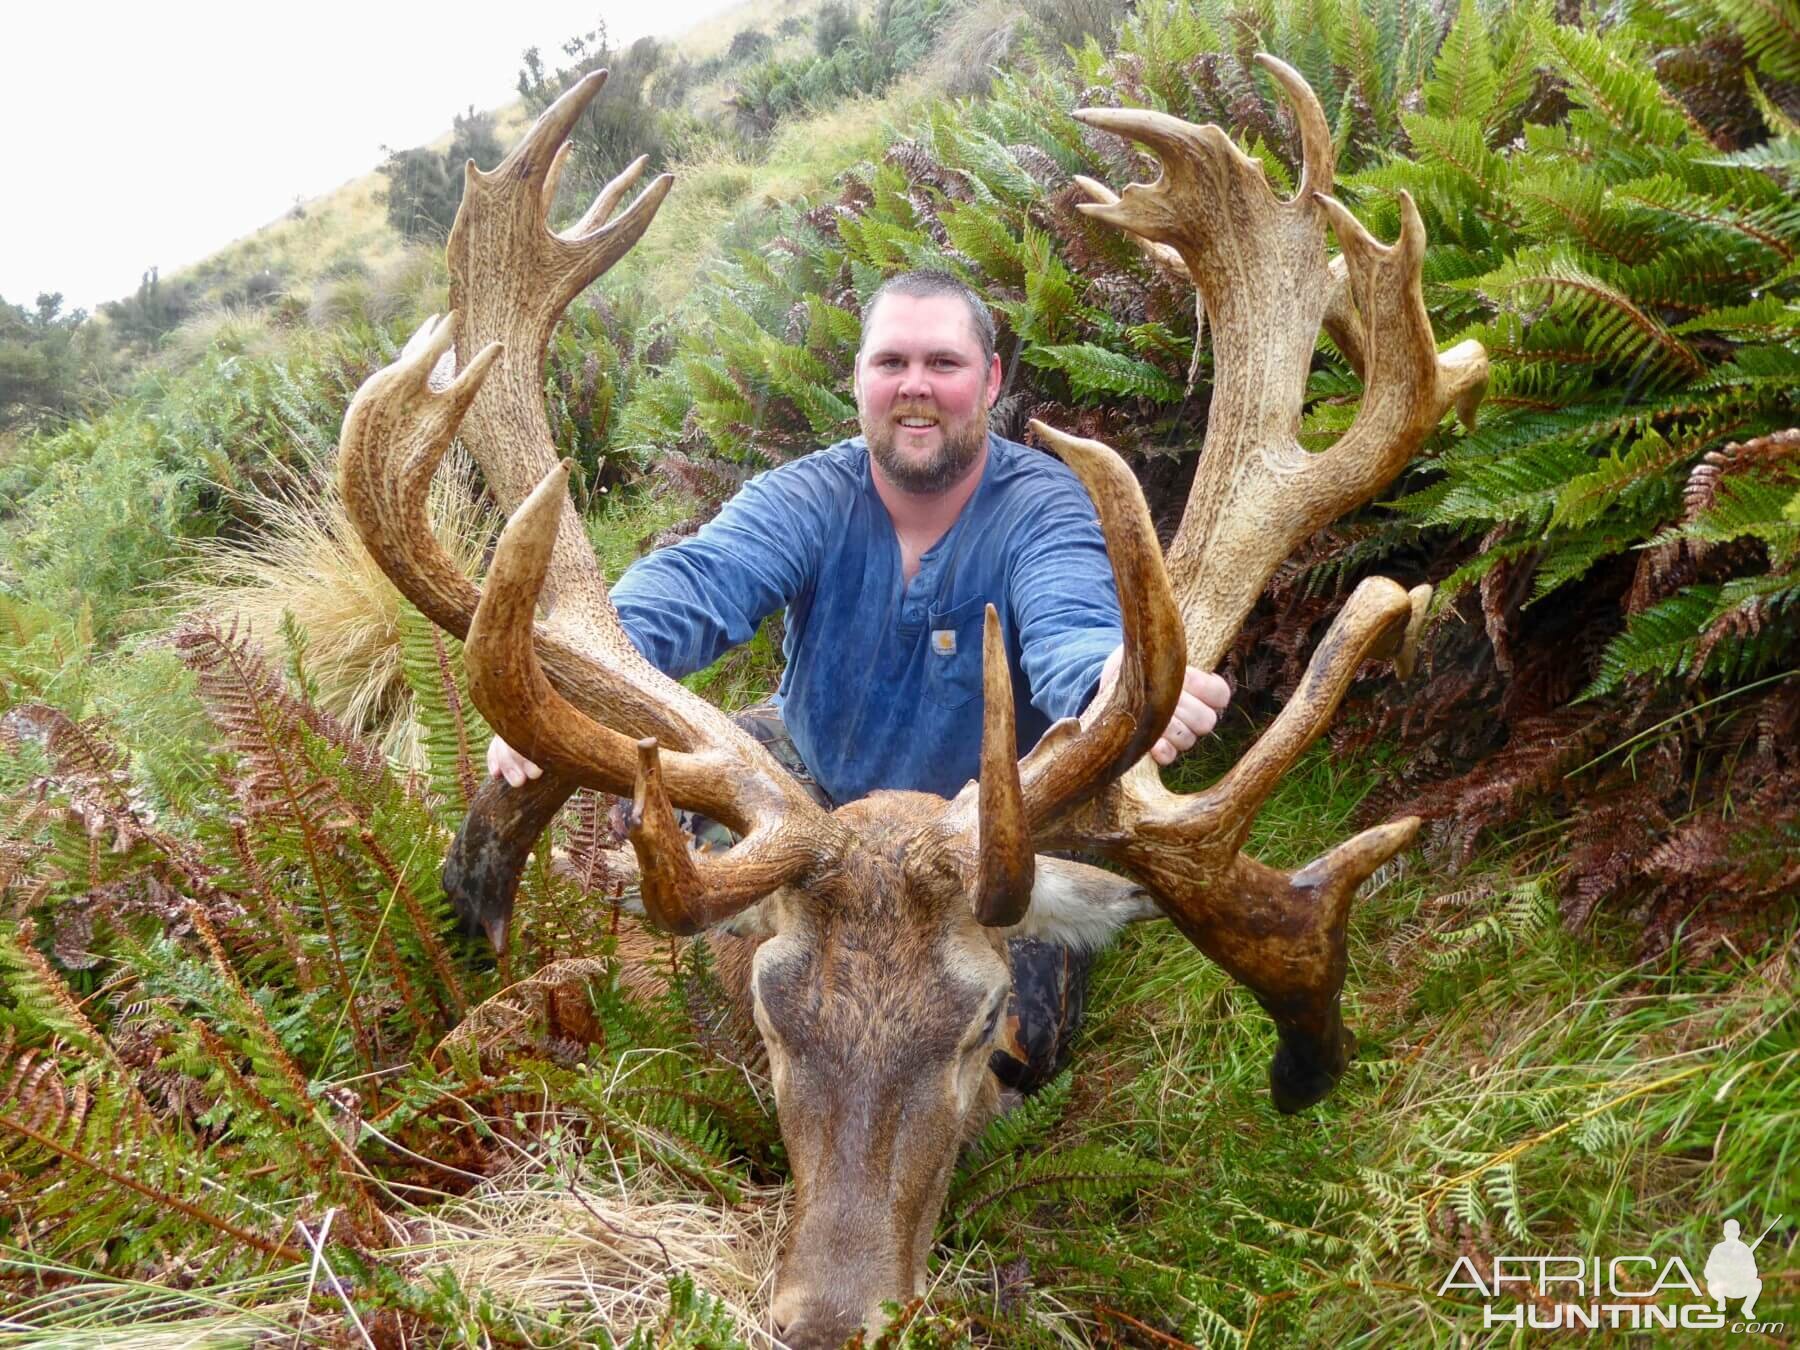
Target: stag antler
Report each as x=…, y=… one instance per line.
x=1260, y=267
x=511, y=278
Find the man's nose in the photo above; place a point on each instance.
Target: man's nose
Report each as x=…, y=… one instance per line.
x=914, y=382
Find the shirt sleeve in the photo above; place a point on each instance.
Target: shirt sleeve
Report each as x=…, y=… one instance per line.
x=686, y=605
x=1064, y=602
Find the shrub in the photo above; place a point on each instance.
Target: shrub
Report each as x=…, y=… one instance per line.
x=425, y=187
x=834, y=24
x=625, y=121
x=152, y=311
x=51, y=362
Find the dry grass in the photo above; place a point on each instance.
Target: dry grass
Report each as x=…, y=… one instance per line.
x=711, y=37
x=224, y=1332
x=586, y=1240
x=308, y=562
x=232, y=330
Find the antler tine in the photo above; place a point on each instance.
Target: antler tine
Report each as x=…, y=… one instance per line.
x=1318, y=155
x=1073, y=762
x=683, y=894
x=1409, y=384
x=601, y=209
x=1008, y=864
x=1224, y=813
x=534, y=158
x=397, y=416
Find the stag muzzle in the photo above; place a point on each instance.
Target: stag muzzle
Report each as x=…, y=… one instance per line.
x=843, y=1264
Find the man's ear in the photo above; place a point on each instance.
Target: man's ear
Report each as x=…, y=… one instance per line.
x=993, y=380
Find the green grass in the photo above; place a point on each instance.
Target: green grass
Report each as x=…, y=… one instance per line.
x=724, y=200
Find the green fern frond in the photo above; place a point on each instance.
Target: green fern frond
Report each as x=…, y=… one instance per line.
x=1459, y=145
x=1659, y=643
x=1623, y=93
x=1552, y=283
x=454, y=734
x=979, y=232
x=1463, y=84
x=1083, y=1172
x=1770, y=30
x=1094, y=371
x=1588, y=496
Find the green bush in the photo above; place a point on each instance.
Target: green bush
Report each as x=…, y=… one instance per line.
x=425, y=187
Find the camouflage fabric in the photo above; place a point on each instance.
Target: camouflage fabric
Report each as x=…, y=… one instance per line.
x=1049, y=995
x=763, y=722
x=1049, y=990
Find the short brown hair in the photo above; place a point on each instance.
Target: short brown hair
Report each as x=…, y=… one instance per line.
x=923, y=283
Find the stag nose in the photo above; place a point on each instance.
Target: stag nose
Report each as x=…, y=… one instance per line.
x=803, y=1323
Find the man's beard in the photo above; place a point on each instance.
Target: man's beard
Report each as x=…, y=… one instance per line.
x=962, y=446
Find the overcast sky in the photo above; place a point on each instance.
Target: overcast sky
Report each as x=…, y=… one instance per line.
x=154, y=134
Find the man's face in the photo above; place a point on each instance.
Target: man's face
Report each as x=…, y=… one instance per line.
x=923, y=391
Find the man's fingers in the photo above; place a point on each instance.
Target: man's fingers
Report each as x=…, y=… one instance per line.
x=1163, y=753
x=1209, y=688
x=505, y=762
x=1193, y=716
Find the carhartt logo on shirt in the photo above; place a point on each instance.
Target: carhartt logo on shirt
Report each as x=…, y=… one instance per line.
x=943, y=641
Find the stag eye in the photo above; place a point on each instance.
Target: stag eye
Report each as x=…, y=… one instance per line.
x=992, y=1023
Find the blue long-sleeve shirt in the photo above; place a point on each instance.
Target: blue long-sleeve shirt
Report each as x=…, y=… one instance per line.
x=883, y=681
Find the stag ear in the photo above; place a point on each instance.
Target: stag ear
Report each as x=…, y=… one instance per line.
x=757, y=922
x=1081, y=906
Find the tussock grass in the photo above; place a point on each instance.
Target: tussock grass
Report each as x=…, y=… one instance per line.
x=307, y=570
x=580, y=1239
x=232, y=330
x=412, y=283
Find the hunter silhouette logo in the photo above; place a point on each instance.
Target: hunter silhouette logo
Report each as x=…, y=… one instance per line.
x=1638, y=1292
x=1731, y=1270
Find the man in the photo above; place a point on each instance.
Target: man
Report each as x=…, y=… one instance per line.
x=884, y=551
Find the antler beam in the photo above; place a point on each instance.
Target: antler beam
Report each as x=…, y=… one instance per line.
x=1260, y=268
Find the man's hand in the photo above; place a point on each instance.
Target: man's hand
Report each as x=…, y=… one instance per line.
x=506, y=762
x=1203, y=697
